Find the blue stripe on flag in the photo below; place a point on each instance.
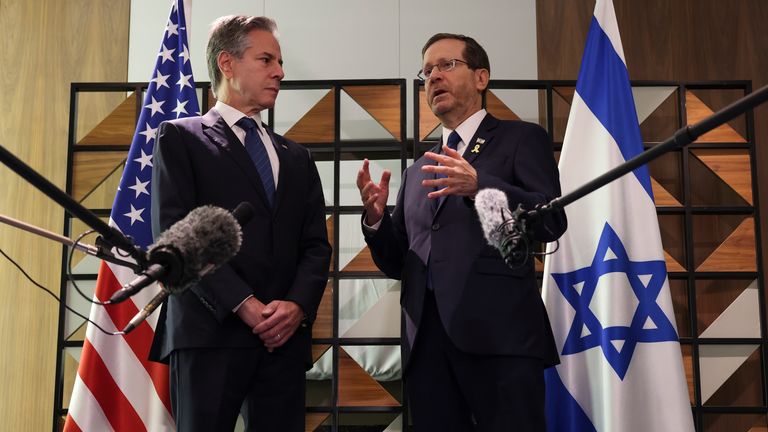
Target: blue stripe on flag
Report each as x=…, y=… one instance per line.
x=603, y=85
x=564, y=413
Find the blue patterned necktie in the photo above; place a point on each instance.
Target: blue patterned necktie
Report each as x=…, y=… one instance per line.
x=453, y=143
x=258, y=153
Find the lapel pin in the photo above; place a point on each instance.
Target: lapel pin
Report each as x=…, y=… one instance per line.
x=478, y=143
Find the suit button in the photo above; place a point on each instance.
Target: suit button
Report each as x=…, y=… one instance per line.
x=435, y=226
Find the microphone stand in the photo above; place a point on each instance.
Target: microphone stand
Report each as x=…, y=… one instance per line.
x=97, y=251
x=680, y=139
x=110, y=236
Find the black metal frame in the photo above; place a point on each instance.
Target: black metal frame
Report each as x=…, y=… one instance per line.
x=406, y=148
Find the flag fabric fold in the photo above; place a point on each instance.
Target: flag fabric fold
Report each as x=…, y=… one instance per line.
x=606, y=287
x=116, y=387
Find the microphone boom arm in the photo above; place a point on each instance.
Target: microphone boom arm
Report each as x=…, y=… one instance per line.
x=680, y=139
x=112, y=236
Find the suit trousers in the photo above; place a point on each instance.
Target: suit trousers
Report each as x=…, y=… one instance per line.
x=211, y=386
x=451, y=390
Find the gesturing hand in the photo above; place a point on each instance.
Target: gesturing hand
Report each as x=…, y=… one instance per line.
x=460, y=177
x=374, y=196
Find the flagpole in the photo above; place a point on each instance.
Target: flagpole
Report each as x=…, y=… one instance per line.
x=680, y=139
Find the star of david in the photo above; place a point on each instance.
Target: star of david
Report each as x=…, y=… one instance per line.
x=649, y=323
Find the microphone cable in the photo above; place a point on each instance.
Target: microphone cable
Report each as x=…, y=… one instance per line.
x=51, y=293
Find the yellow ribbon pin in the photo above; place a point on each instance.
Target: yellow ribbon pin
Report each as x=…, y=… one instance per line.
x=478, y=143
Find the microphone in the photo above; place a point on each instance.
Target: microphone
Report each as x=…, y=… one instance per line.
x=504, y=230
x=223, y=247
x=200, y=242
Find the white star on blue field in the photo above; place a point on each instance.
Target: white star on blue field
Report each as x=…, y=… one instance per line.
x=649, y=322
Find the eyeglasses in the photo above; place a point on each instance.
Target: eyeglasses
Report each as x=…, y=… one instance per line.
x=443, y=66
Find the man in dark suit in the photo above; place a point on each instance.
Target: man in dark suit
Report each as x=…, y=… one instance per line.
x=476, y=337
x=241, y=337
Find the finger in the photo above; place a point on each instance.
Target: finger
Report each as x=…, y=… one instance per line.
x=371, y=201
x=363, y=175
x=439, y=169
x=453, y=154
x=385, y=176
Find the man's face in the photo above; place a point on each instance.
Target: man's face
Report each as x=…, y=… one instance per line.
x=456, y=94
x=256, y=76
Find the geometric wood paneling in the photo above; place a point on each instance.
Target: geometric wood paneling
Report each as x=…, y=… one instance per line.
x=732, y=166
x=117, y=128
x=428, y=122
x=323, y=326
x=382, y=102
x=312, y=421
x=497, y=108
x=317, y=125
x=362, y=262
x=91, y=168
x=357, y=388
x=698, y=110
x=672, y=264
x=736, y=253
x=318, y=351
x=662, y=197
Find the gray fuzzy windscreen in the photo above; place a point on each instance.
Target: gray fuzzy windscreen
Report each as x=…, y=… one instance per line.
x=207, y=235
x=490, y=205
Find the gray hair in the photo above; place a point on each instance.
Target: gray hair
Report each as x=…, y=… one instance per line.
x=230, y=34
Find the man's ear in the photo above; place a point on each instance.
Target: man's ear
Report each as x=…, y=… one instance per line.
x=224, y=61
x=482, y=76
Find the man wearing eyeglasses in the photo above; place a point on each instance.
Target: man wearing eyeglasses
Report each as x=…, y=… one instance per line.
x=476, y=337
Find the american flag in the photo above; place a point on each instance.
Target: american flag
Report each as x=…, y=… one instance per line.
x=116, y=387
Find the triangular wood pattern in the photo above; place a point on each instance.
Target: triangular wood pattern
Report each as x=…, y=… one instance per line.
x=566, y=93
x=736, y=253
x=382, y=102
x=714, y=296
x=323, y=325
x=313, y=420
x=318, y=351
x=357, y=388
x=497, y=108
x=70, y=372
x=697, y=110
x=329, y=228
x=662, y=197
x=427, y=120
x=363, y=261
x=672, y=264
x=317, y=125
x=117, y=128
x=731, y=166
x=89, y=169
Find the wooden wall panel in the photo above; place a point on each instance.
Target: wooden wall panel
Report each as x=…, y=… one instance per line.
x=46, y=45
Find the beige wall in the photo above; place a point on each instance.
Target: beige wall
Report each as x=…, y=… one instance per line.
x=46, y=45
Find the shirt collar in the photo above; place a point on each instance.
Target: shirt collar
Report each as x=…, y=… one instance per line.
x=467, y=128
x=232, y=115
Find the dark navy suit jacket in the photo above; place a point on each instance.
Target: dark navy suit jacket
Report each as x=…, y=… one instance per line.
x=485, y=307
x=285, y=252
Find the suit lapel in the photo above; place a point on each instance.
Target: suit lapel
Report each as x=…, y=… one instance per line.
x=483, y=137
x=217, y=130
x=284, y=174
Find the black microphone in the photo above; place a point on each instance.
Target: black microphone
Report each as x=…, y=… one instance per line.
x=216, y=220
x=203, y=240
x=504, y=230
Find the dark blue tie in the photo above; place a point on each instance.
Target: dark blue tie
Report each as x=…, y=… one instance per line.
x=258, y=153
x=453, y=143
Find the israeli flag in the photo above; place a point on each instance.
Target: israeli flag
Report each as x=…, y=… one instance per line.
x=606, y=287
